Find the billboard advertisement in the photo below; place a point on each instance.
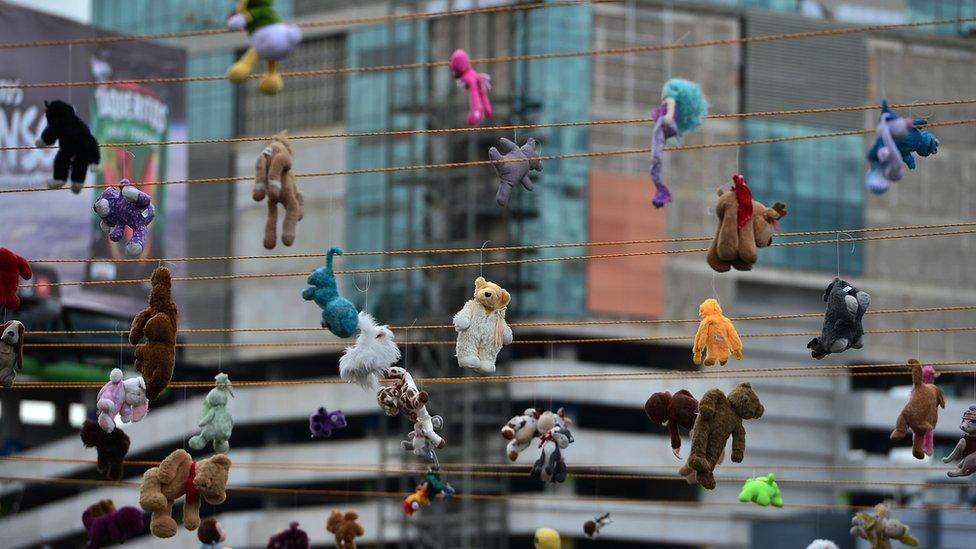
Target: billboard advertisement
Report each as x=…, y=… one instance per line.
x=60, y=224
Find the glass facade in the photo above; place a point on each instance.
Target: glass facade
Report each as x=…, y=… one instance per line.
x=210, y=104
x=921, y=10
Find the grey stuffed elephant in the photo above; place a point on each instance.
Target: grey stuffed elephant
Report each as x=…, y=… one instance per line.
x=514, y=166
x=842, y=328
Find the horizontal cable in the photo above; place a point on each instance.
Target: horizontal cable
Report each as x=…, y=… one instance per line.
x=513, y=58
x=810, y=370
x=516, y=248
x=505, y=128
x=536, y=260
x=470, y=163
x=353, y=21
x=614, y=322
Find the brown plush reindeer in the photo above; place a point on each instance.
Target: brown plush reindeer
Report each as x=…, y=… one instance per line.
x=274, y=177
x=744, y=225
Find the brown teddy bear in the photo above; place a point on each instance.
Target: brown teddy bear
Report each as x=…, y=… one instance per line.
x=345, y=528
x=921, y=413
x=481, y=327
x=156, y=358
x=275, y=179
x=719, y=417
x=744, y=225
x=679, y=409
x=176, y=475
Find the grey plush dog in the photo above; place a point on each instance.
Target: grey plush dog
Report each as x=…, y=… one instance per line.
x=510, y=170
x=842, y=328
x=11, y=351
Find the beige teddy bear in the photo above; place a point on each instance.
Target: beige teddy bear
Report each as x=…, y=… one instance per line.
x=178, y=475
x=481, y=327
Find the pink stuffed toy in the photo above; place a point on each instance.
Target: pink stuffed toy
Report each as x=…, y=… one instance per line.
x=928, y=376
x=126, y=398
x=477, y=83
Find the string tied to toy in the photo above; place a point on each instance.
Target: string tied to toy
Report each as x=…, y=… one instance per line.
x=853, y=244
x=364, y=291
x=481, y=258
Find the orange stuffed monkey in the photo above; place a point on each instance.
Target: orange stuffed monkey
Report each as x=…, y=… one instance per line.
x=716, y=335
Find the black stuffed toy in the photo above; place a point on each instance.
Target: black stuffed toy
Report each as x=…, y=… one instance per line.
x=77, y=147
x=842, y=328
x=112, y=448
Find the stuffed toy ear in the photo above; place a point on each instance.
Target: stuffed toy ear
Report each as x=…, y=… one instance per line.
x=506, y=297
x=221, y=459
x=826, y=295
x=778, y=211
x=480, y=282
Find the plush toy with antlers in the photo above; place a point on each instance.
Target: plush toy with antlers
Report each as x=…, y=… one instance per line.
x=156, y=357
x=275, y=179
x=921, y=413
x=744, y=225
x=12, y=269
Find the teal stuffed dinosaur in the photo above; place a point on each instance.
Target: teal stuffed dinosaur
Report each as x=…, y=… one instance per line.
x=216, y=423
x=762, y=491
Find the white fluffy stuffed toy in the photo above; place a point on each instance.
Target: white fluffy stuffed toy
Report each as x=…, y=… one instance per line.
x=374, y=352
x=481, y=327
x=822, y=544
x=520, y=431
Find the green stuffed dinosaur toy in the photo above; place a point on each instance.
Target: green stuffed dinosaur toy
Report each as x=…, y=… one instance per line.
x=762, y=491
x=216, y=424
x=271, y=40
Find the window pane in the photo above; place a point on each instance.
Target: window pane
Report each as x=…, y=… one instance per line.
x=36, y=412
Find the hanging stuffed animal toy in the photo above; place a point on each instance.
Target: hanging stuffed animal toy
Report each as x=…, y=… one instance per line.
x=292, y=538
x=12, y=269
x=77, y=147
x=551, y=467
x=323, y=422
x=921, y=413
x=123, y=398
x=716, y=336
x=156, y=358
x=103, y=521
x=175, y=476
x=275, y=179
x=112, y=447
x=271, y=40
x=404, y=397
x=339, y=315
x=11, y=351
x=481, y=327
x=345, y=528
x=677, y=410
x=744, y=225
x=514, y=166
x=126, y=208
x=897, y=139
x=965, y=450
x=216, y=424
x=878, y=529
x=432, y=487
x=477, y=83
x=681, y=110
x=592, y=527
x=374, y=352
x=842, y=327
x=520, y=431
x=720, y=417
x=211, y=534
x=822, y=544
x=547, y=538
x=762, y=491
x=928, y=377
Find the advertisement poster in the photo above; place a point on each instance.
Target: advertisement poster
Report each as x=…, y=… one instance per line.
x=60, y=224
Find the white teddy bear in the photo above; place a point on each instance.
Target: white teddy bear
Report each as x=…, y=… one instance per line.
x=481, y=327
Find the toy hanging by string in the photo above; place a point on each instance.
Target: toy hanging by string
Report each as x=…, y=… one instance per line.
x=111, y=448
x=432, y=487
x=125, y=398
x=77, y=148
x=404, y=397
x=547, y=538
x=878, y=529
x=551, y=467
x=897, y=138
x=292, y=538
x=921, y=413
x=11, y=351
x=842, y=327
x=720, y=417
x=513, y=167
x=521, y=430
x=322, y=422
x=346, y=528
x=102, y=521
x=716, y=336
x=477, y=83
x=374, y=352
x=155, y=358
x=271, y=41
x=822, y=544
x=339, y=315
x=217, y=424
x=744, y=225
x=928, y=377
x=681, y=110
x=677, y=410
x=12, y=268
x=275, y=178
x=762, y=491
x=591, y=528
x=965, y=449
x=211, y=534
x=175, y=476
x=122, y=208
x=481, y=327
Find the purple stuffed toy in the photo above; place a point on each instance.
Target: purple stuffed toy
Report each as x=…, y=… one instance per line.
x=323, y=422
x=126, y=398
x=128, y=207
x=292, y=538
x=109, y=523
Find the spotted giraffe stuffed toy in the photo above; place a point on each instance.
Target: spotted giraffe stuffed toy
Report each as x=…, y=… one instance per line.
x=404, y=397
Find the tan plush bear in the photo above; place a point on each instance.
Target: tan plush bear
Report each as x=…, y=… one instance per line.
x=481, y=327
x=275, y=178
x=177, y=475
x=345, y=528
x=720, y=417
x=744, y=225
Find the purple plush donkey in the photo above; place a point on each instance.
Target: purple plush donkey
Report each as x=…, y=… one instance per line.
x=121, y=397
x=116, y=525
x=128, y=207
x=323, y=422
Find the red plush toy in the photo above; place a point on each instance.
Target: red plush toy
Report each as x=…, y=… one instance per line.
x=12, y=269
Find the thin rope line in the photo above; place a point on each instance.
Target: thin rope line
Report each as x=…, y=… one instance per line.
x=476, y=264
x=506, y=128
x=614, y=322
x=523, y=247
x=515, y=58
x=354, y=21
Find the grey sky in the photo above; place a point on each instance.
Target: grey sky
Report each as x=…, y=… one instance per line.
x=75, y=9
